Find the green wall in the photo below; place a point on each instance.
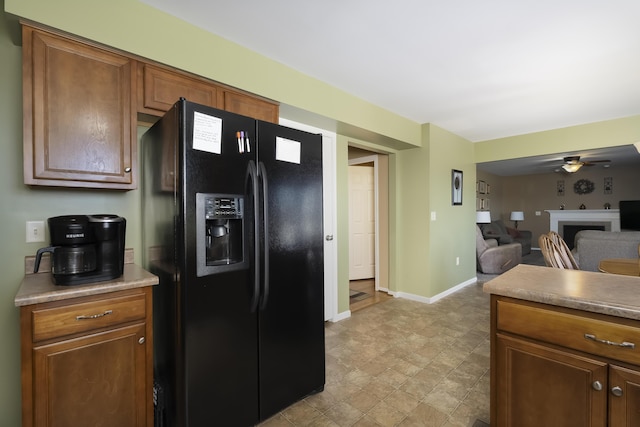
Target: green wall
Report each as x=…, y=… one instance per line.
x=423, y=186
x=450, y=234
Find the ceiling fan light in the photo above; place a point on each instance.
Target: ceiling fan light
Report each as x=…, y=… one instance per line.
x=572, y=167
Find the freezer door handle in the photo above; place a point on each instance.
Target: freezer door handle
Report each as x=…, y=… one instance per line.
x=252, y=193
x=262, y=175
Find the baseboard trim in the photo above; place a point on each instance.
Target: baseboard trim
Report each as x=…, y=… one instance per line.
x=341, y=316
x=438, y=297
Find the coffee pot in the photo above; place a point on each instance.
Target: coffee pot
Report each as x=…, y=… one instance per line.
x=85, y=248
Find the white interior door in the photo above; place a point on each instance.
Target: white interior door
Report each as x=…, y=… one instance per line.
x=362, y=223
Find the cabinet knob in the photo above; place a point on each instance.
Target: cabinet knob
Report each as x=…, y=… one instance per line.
x=616, y=391
x=127, y=169
x=329, y=237
x=141, y=340
x=597, y=385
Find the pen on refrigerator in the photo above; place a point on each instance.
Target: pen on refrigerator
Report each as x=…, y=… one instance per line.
x=240, y=144
x=247, y=143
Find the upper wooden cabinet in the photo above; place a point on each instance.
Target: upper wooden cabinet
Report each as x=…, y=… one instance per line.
x=159, y=89
x=81, y=102
x=249, y=106
x=79, y=114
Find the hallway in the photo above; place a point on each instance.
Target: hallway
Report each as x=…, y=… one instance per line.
x=362, y=294
x=404, y=363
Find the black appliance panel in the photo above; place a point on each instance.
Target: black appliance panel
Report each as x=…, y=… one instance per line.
x=292, y=308
x=220, y=333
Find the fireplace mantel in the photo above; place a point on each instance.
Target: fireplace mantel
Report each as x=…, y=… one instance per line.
x=610, y=216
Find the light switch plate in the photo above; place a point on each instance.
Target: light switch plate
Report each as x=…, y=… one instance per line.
x=35, y=231
x=433, y=216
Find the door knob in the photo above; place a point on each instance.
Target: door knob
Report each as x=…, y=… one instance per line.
x=616, y=391
x=329, y=237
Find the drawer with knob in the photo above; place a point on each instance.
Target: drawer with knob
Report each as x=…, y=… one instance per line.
x=599, y=335
x=56, y=321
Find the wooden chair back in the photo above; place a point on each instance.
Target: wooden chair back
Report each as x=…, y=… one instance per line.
x=556, y=255
x=566, y=252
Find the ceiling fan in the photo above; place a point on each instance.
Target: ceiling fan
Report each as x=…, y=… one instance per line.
x=573, y=163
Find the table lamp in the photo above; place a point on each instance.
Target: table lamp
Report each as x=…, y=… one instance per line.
x=483, y=217
x=517, y=216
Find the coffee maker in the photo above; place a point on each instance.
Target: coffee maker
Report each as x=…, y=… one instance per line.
x=85, y=248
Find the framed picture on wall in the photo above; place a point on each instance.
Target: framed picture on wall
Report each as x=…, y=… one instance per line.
x=456, y=187
x=482, y=187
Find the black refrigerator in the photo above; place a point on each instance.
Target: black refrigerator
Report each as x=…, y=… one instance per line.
x=232, y=226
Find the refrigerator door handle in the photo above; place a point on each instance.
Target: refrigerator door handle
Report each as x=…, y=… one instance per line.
x=262, y=174
x=251, y=189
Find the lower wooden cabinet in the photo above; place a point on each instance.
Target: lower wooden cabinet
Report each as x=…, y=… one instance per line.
x=88, y=361
x=624, y=397
x=547, y=372
x=539, y=386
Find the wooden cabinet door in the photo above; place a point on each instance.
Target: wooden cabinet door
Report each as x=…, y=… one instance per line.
x=79, y=114
x=624, y=397
x=161, y=88
x=541, y=386
x=251, y=107
x=95, y=380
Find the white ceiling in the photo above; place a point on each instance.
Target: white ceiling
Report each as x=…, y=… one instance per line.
x=480, y=69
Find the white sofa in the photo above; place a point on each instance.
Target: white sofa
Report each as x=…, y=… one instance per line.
x=591, y=246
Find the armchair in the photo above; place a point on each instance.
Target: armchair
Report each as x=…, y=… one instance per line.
x=504, y=235
x=494, y=259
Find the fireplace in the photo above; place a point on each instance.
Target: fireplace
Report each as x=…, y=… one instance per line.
x=569, y=232
x=588, y=218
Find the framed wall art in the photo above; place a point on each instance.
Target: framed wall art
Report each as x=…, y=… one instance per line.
x=608, y=185
x=456, y=187
x=482, y=187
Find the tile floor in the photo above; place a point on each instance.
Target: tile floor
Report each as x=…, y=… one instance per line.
x=404, y=363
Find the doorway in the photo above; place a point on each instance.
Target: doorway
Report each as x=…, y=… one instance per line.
x=368, y=228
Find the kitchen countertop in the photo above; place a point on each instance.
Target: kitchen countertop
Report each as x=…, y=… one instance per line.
x=39, y=288
x=610, y=294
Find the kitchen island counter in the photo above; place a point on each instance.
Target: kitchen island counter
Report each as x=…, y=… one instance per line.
x=567, y=341
x=609, y=294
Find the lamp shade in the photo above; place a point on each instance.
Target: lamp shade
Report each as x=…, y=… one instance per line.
x=517, y=216
x=483, y=217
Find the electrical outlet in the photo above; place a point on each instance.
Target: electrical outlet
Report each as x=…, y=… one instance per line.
x=433, y=216
x=35, y=231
